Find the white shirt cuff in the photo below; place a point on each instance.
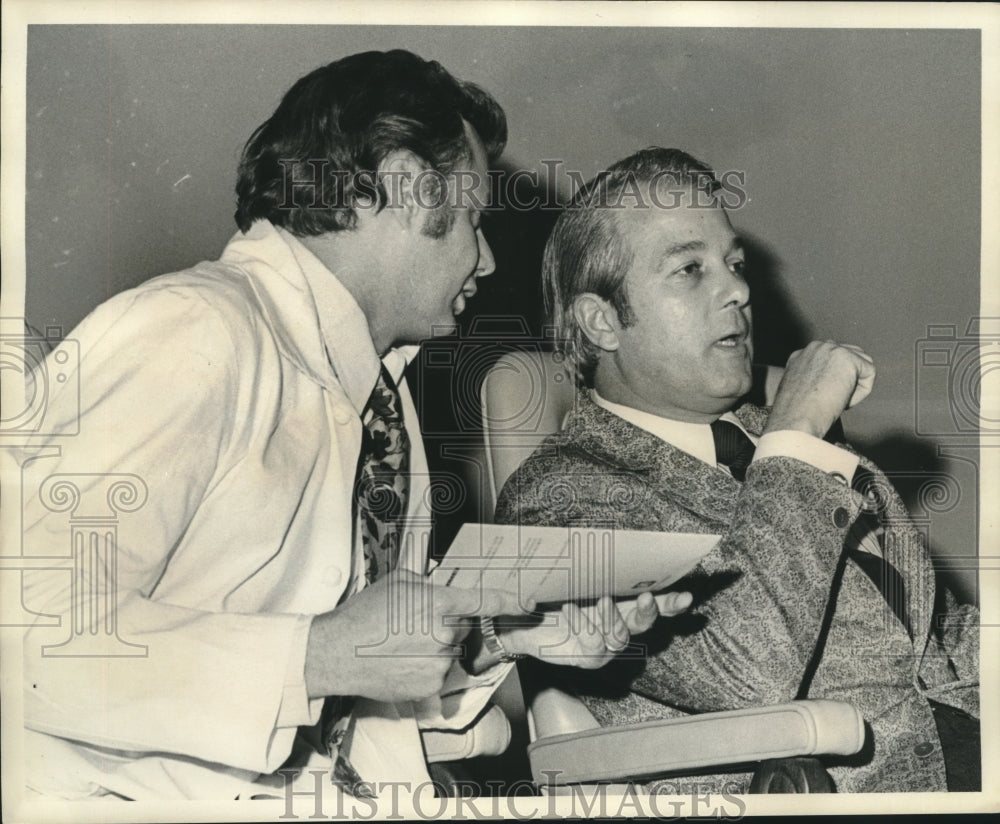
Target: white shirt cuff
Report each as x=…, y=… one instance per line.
x=790, y=443
x=296, y=708
x=461, y=699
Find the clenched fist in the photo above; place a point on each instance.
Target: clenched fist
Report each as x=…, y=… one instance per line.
x=819, y=383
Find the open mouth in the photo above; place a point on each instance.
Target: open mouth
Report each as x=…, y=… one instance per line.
x=468, y=290
x=732, y=340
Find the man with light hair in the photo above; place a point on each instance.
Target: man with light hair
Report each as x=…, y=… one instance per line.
x=821, y=586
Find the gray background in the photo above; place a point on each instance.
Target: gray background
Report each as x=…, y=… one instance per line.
x=861, y=150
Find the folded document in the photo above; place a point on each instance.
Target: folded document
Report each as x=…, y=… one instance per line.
x=556, y=564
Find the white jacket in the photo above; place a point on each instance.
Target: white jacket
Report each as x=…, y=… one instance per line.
x=223, y=404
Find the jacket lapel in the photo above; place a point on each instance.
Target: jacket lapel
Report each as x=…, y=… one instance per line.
x=711, y=495
x=668, y=471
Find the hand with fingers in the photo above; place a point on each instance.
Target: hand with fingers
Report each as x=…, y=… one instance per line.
x=590, y=636
x=819, y=383
x=396, y=639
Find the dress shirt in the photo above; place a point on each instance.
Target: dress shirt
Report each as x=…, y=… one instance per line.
x=696, y=439
x=232, y=393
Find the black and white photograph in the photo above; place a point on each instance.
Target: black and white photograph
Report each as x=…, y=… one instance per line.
x=449, y=411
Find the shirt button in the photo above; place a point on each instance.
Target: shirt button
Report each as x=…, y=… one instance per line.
x=923, y=749
x=871, y=502
x=841, y=518
x=342, y=414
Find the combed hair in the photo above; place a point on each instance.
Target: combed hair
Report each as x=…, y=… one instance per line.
x=588, y=251
x=337, y=124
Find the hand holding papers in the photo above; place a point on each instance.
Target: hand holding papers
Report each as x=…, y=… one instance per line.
x=566, y=565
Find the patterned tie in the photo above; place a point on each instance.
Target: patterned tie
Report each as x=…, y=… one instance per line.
x=732, y=447
x=381, y=494
x=383, y=485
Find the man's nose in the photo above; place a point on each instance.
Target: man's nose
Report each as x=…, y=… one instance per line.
x=487, y=264
x=736, y=290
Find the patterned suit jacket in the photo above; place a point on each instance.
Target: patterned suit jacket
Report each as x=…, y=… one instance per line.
x=781, y=612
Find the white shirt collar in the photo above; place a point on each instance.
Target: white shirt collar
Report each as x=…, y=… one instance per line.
x=297, y=286
x=343, y=326
x=342, y=322
x=694, y=438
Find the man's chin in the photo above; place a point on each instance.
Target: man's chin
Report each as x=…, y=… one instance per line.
x=442, y=328
x=737, y=393
x=734, y=394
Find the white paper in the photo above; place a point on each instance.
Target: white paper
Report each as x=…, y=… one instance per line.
x=556, y=564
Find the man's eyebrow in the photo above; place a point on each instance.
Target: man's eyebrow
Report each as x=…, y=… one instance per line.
x=736, y=245
x=679, y=249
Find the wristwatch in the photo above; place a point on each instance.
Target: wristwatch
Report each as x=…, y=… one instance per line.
x=493, y=643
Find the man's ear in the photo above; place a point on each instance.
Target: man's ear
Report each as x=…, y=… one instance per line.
x=598, y=320
x=400, y=173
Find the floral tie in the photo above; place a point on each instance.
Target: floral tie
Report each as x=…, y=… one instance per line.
x=383, y=485
x=381, y=493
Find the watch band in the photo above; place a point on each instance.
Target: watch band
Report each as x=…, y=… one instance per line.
x=493, y=643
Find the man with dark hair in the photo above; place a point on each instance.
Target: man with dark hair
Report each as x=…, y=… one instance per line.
x=819, y=587
x=335, y=126
x=250, y=417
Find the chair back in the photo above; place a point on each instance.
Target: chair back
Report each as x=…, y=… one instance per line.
x=525, y=397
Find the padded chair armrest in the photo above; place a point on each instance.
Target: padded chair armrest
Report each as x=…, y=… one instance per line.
x=797, y=728
x=554, y=712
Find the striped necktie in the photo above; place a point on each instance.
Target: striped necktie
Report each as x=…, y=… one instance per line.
x=732, y=447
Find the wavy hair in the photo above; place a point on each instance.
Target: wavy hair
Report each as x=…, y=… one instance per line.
x=306, y=166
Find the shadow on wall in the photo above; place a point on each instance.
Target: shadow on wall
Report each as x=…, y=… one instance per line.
x=912, y=464
x=779, y=328
x=931, y=493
